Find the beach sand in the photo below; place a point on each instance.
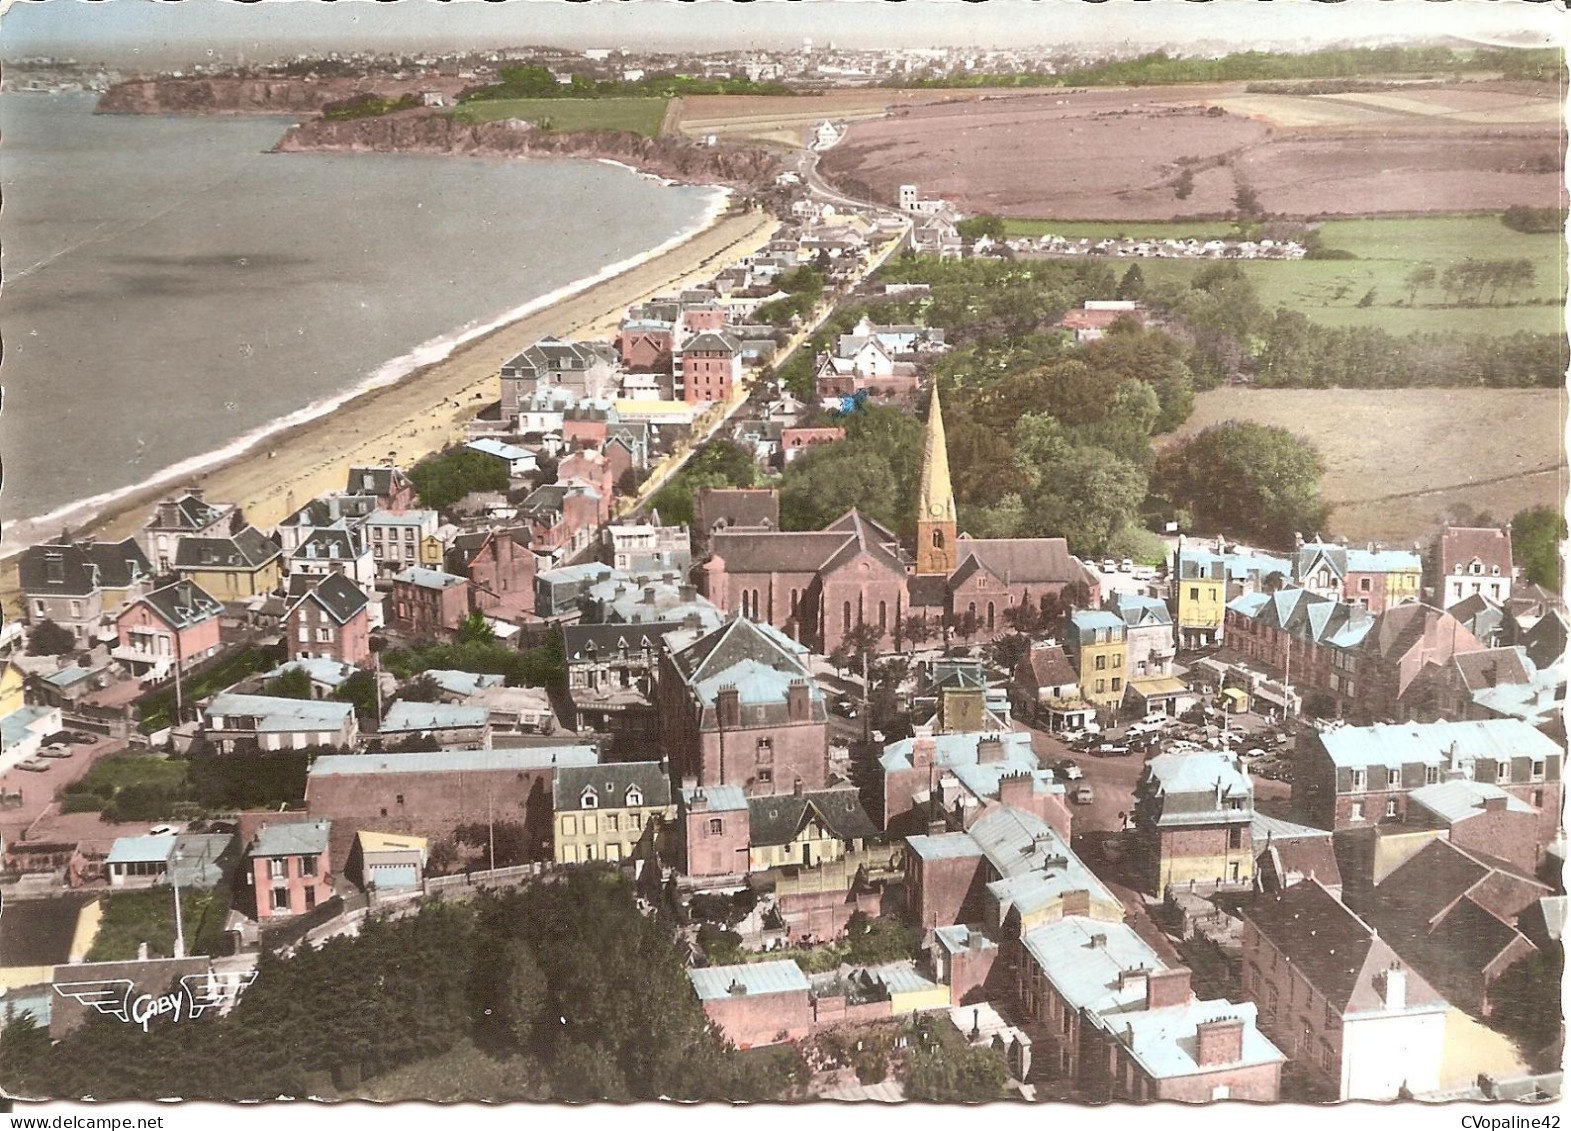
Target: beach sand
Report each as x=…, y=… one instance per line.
x=425, y=411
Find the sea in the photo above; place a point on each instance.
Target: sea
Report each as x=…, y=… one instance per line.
x=172, y=292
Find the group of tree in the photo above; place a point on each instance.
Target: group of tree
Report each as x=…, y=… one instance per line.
x=984, y=224
x=875, y=469
x=1247, y=479
x=536, y=81
x=444, y=479
x=567, y=981
x=543, y=665
x=1538, y=537
x=1534, y=221
x=719, y=463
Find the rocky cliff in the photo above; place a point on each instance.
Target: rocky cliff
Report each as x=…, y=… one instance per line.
x=679, y=159
x=227, y=95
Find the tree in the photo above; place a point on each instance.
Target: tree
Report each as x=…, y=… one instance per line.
x=1133, y=285
x=293, y=684
x=1247, y=479
x=916, y=630
x=50, y=639
x=422, y=689
x=1419, y=278
x=1537, y=539
x=863, y=640
x=475, y=629
x=359, y=689
x=1246, y=200
x=983, y=224
x=1185, y=185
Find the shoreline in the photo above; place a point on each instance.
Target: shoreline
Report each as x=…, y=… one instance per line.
x=404, y=417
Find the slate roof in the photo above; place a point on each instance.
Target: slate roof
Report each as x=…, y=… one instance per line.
x=383, y=481
x=1019, y=561
x=330, y=673
x=711, y=341
x=338, y=597
x=1164, y=1041
x=950, y=750
x=1336, y=951
x=740, y=507
x=428, y=578
x=555, y=355
x=293, y=838
x=1200, y=772
x=737, y=640
x=191, y=513
x=1490, y=667
x=1084, y=958
x=1478, y=615
x=777, y=820
x=332, y=509
x=610, y=783
x=1139, y=611
x=83, y=567
x=776, y=552
x=1453, y=801
x=584, y=642
x=719, y=798
x=250, y=549
x=1398, y=629
x=183, y=604
x=1462, y=544
x=1306, y=857
x=141, y=850
x=280, y=714
x=460, y=682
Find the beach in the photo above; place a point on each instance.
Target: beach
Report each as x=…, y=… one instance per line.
x=426, y=410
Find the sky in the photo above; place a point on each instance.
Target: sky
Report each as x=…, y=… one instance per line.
x=162, y=32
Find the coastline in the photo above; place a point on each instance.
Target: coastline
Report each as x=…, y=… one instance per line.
x=402, y=417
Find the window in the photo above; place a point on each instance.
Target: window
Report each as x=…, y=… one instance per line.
x=308, y=865
x=1431, y=775
x=1118, y=659
x=1235, y=838
x=277, y=868
x=1359, y=781
x=1235, y=803
x=589, y=852
x=635, y=820
x=1538, y=799
x=611, y=823
x=634, y=797
x=1194, y=592
x=1101, y=663
x=588, y=800
x=1332, y=1017
x=845, y=617
x=1538, y=769
x=324, y=635
x=716, y=826
x=1365, y=584
x=591, y=825
x=1118, y=683
x=766, y=751
x=1270, y=1003
x=399, y=798
x=310, y=897
x=1355, y=811
x=1502, y=771
x=1393, y=779
x=1327, y=1057
x=569, y=826
x=766, y=776
x=1101, y=686
x=305, y=633
x=280, y=899
x=1391, y=808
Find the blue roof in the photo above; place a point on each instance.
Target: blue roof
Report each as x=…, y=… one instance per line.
x=1249, y=604
x=749, y=979
x=439, y=761
x=291, y=838
x=277, y=713
x=1395, y=745
x=564, y=575
x=499, y=449
x=428, y=578
x=1138, y=610
x=720, y=798
x=17, y=727
x=961, y=750
x=404, y=715
x=944, y=846
x=1083, y=959
x=456, y=682
x=1165, y=1042
x=958, y=937
x=1088, y=620
x=65, y=677
x=406, y=518
x=755, y=682
x=330, y=673
x=1384, y=561
x=1199, y=772
x=141, y=849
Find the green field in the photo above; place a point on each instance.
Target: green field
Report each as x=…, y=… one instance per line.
x=567, y=115
x=1112, y=229
x=1387, y=249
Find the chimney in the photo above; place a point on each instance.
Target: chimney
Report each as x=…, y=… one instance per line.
x=796, y=788
x=937, y=828
x=1015, y=790
x=1220, y=1041
x=990, y=749
x=1494, y=804
x=797, y=701
x=649, y=594
x=728, y=704
x=1167, y=987
x=1395, y=991
x=168, y=514
x=1098, y=941
x=687, y=592
x=924, y=751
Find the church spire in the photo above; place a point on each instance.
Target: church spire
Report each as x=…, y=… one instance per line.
x=935, y=514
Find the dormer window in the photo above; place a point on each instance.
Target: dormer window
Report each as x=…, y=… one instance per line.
x=1478, y=567
x=634, y=797
x=588, y=799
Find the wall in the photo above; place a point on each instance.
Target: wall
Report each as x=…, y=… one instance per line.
x=1380, y=1055
x=760, y=1019
x=942, y=891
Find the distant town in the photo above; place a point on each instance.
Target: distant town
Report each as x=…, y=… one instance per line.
x=714, y=639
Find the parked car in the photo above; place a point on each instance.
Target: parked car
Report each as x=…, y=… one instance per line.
x=55, y=752
x=1083, y=795
x=1068, y=769
x=161, y=830
x=33, y=766
x=1111, y=750
x=1126, y=566
x=1109, y=565
x=81, y=738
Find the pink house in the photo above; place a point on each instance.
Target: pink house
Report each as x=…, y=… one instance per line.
x=711, y=366
x=177, y=624
x=290, y=871
x=795, y=441
x=428, y=602
x=588, y=466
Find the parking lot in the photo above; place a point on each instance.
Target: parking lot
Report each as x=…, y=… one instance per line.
x=37, y=789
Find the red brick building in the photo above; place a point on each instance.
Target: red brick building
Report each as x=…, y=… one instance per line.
x=588, y=466
x=757, y=1003
x=1192, y=816
x=427, y=602
x=715, y=830
x=1403, y=642
x=795, y=441
x=392, y=488
x=739, y=707
x=431, y=794
x=500, y=570
x=711, y=366
x=331, y=621
x=289, y=869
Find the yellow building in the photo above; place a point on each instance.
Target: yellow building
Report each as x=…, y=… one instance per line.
x=233, y=568
x=11, y=697
x=806, y=829
x=609, y=812
x=1096, y=646
x=1199, y=590
x=432, y=552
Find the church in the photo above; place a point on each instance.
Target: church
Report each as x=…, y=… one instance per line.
x=817, y=587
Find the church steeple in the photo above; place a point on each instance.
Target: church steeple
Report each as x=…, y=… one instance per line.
x=935, y=515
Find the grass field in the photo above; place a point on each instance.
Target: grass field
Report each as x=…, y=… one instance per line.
x=633, y=115
x=1387, y=249
x=1397, y=459
x=134, y=917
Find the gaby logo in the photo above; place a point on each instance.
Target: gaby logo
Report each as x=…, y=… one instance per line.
x=198, y=993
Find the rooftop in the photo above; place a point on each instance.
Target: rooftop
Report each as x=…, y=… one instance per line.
x=454, y=761
x=752, y=979
x=291, y=838
x=409, y=716
x=1397, y=744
